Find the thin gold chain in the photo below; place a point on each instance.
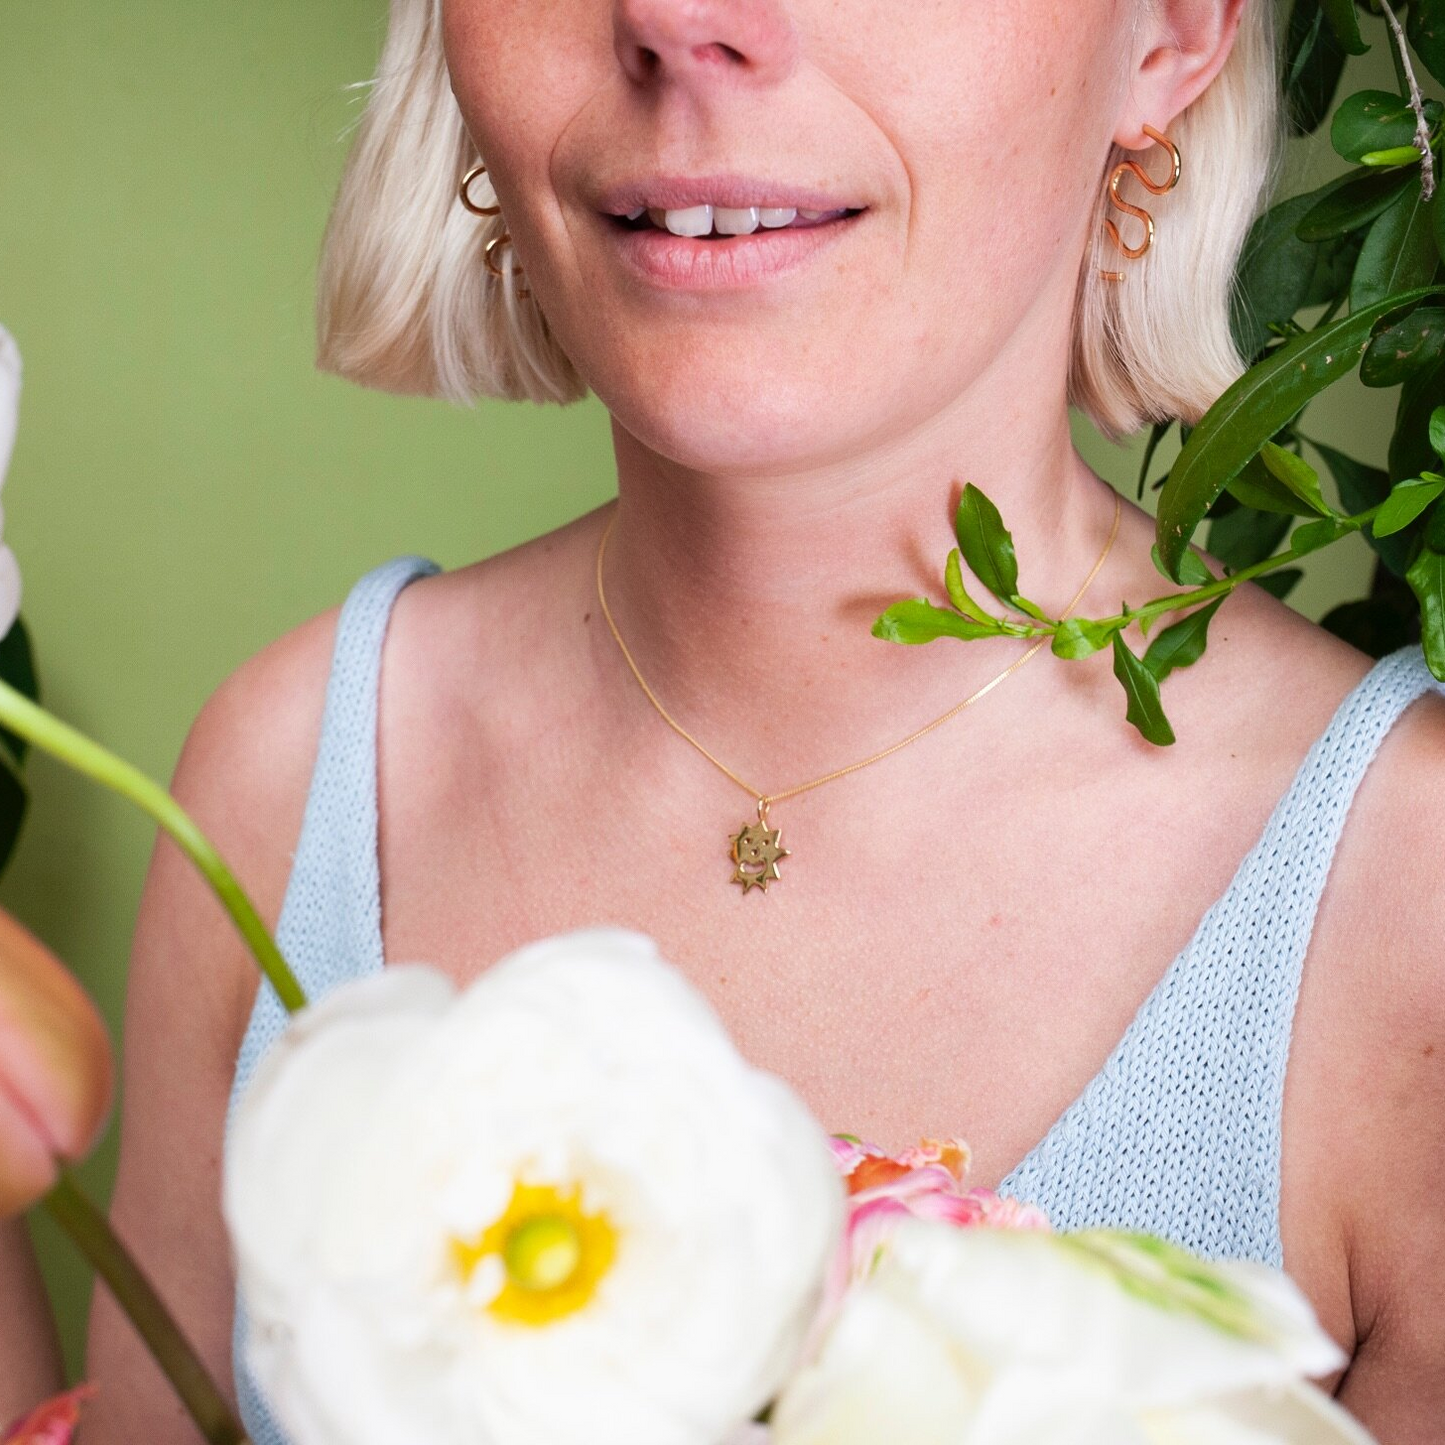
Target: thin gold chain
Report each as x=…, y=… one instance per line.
x=765, y=798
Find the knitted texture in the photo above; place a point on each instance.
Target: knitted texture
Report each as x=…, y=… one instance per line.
x=1177, y=1134
x=330, y=924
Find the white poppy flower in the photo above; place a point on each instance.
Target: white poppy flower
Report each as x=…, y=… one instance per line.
x=998, y=1337
x=10, y=371
x=555, y=1207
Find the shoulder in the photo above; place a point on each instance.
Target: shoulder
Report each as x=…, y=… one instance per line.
x=242, y=776
x=1377, y=981
x=505, y=627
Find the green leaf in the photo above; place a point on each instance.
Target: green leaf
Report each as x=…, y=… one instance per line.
x=14, y=803
x=1273, y=276
x=1335, y=263
x=1362, y=487
x=1372, y=120
x=1296, y=475
x=1350, y=203
x=1030, y=609
x=1182, y=643
x=1080, y=637
x=986, y=544
x=1394, y=156
x=1426, y=31
x=1399, y=251
x=1314, y=61
x=918, y=620
x=1194, y=570
x=1346, y=25
x=1410, y=449
x=17, y=667
x=1439, y=208
x=1414, y=343
x=1157, y=433
x=1435, y=528
x=1245, y=536
x=1311, y=536
x=1256, y=486
x=1279, y=583
x=1406, y=503
x=1427, y=580
x=1372, y=624
x=1141, y=687
x=958, y=593
x=1437, y=431
x=1267, y=396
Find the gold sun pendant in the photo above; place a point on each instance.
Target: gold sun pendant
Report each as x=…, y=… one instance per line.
x=756, y=852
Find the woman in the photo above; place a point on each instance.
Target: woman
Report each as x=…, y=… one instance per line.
x=825, y=261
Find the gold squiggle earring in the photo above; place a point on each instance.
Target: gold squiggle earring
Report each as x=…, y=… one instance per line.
x=505, y=239
x=1157, y=188
x=465, y=192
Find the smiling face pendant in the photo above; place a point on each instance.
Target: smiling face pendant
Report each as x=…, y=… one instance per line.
x=756, y=851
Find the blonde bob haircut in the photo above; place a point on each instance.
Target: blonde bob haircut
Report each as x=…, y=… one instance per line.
x=406, y=304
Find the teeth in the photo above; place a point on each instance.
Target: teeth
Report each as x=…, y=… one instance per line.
x=698, y=221
x=735, y=223
x=694, y=221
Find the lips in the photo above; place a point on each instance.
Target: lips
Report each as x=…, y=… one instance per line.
x=721, y=232
x=734, y=192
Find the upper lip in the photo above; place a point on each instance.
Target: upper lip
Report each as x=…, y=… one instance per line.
x=678, y=193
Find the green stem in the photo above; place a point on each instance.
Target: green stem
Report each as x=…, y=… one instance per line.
x=77, y=751
x=1179, y=601
x=89, y=1228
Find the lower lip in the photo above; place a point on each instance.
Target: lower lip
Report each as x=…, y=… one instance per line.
x=731, y=263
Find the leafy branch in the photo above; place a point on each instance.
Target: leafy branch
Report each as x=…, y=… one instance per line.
x=1365, y=255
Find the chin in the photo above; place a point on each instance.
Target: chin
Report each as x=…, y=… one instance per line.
x=748, y=417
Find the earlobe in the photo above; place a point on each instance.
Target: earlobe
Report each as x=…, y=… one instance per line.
x=1189, y=42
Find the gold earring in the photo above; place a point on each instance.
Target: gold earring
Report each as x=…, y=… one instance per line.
x=464, y=191
x=1157, y=188
x=503, y=240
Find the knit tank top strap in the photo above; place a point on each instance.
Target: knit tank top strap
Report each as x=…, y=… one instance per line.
x=330, y=924
x=1179, y=1133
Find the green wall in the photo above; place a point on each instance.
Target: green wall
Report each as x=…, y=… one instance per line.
x=185, y=487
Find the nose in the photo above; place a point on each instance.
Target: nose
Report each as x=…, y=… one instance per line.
x=700, y=43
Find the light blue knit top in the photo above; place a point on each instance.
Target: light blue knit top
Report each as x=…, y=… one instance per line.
x=1179, y=1132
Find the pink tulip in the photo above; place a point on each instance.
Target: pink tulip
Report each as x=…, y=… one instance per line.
x=52, y=1423
x=56, y=1072
x=925, y=1182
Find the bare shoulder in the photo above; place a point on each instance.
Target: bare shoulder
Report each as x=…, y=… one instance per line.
x=1365, y=1097
x=242, y=777
x=506, y=627
x=245, y=766
x=1382, y=977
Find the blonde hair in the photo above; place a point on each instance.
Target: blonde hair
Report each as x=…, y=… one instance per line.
x=405, y=302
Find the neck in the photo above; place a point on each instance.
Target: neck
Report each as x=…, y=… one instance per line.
x=747, y=601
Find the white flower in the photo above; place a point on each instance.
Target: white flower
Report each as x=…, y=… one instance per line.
x=9, y=422
x=998, y=1337
x=556, y=1207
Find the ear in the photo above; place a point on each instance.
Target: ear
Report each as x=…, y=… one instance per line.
x=1182, y=46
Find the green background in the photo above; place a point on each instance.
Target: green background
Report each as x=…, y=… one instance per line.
x=185, y=486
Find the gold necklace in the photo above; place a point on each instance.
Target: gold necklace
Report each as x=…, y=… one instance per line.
x=755, y=849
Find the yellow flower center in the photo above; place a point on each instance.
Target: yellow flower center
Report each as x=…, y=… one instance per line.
x=553, y=1254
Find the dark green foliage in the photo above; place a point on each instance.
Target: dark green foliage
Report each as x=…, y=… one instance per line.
x=17, y=667
x=1368, y=247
